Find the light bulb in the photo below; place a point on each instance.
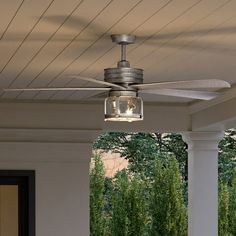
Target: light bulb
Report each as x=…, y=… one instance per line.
x=130, y=106
x=129, y=111
x=114, y=106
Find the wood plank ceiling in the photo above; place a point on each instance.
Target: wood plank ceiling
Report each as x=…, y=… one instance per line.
x=42, y=41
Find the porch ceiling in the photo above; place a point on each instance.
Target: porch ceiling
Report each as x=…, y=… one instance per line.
x=42, y=41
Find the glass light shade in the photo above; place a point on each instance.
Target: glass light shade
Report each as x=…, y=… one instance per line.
x=123, y=108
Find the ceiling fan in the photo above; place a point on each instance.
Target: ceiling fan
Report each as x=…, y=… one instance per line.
x=124, y=84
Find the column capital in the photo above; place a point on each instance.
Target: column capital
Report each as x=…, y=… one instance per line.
x=200, y=140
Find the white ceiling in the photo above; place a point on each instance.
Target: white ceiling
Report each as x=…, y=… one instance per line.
x=42, y=41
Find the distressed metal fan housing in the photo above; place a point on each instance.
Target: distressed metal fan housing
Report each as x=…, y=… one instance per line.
x=123, y=104
x=124, y=84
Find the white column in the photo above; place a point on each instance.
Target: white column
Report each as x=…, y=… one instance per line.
x=202, y=182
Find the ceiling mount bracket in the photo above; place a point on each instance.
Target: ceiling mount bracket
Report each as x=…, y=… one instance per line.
x=123, y=39
x=123, y=74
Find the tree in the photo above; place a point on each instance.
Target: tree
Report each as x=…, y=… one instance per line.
x=173, y=144
x=160, y=162
x=136, y=207
x=97, y=177
x=227, y=154
x=158, y=204
x=119, y=221
x=129, y=206
x=141, y=149
x=167, y=204
x=223, y=210
x=108, y=193
x=232, y=205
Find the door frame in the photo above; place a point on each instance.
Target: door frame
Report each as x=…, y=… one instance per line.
x=25, y=180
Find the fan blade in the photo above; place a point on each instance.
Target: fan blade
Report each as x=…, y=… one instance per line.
x=203, y=95
x=56, y=89
x=95, y=81
x=188, y=84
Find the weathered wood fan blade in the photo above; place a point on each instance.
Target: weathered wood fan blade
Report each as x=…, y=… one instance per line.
x=203, y=95
x=56, y=89
x=188, y=84
x=94, y=81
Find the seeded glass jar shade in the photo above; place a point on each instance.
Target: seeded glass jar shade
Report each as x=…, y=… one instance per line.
x=123, y=108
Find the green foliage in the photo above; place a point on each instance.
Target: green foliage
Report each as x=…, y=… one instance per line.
x=147, y=199
x=96, y=197
x=119, y=225
x=173, y=144
x=223, y=209
x=167, y=203
x=141, y=149
x=108, y=191
x=227, y=154
x=158, y=203
x=232, y=205
x=129, y=206
x=112, y=141
x=136, y=207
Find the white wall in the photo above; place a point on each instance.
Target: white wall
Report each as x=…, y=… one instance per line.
x=62, y=186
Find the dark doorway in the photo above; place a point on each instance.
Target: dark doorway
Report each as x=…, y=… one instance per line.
x=17, y=196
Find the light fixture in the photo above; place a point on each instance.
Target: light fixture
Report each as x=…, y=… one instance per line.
x=124, y=83
x=123, y=102
x=123, y=106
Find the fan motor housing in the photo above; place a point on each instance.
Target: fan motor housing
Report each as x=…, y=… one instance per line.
x=123, y=75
